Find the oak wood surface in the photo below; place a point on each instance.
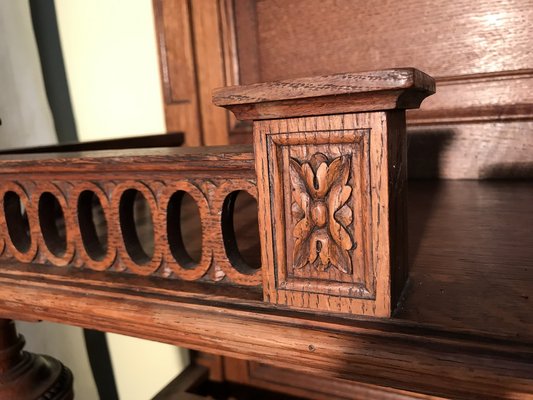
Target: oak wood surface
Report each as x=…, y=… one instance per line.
x=465, y=150
x=446, y=39
x=471, y=252
x=331, y=94
x=297, y=383
x=316, y=387
x=495, y=150
x=178, y=71
x=209, y=20
x=152, y=181
x=442, y=328
x=406, y=361
x=327, y=85
x=198, y=52
x=486, y=97
x=163, y=158
x=341, y=169
x=480, y=119
x=331, y=185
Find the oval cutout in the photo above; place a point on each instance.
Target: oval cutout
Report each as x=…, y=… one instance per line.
x=137, y=226
x=240, y=231
x=184, y=229
x=93, y=225
x=18, y=226
x=52, y=222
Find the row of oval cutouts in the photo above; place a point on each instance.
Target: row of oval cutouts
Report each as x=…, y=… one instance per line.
x=183, y=227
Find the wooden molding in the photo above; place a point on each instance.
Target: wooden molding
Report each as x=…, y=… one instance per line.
x=388, y=354
x=197, y=52
x=477, y=98
x=324, y=190
x=327, y=95
x=177, y=65
x=212, y=22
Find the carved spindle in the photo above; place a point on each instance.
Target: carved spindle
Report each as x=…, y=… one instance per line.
x=331, y=171
x=28, y=376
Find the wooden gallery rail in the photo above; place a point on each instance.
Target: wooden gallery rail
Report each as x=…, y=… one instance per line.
x=328, y=169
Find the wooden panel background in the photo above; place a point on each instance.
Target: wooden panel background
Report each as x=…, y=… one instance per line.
x=478, y=125
x=197, y=53
x=178, y=75
x=453, y=38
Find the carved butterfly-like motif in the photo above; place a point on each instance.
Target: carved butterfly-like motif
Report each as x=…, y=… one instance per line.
x=320, y=196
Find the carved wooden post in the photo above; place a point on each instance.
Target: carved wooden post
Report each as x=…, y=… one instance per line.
x=331, y=168
x=28, y=376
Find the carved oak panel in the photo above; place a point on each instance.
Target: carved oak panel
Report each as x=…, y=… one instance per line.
x=326, y=213
x=324, y=183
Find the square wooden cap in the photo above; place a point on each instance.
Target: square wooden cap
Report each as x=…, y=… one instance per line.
x=399, y=88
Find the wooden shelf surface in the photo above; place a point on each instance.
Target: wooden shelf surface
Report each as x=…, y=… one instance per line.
x=466, y=314
x=471, y=256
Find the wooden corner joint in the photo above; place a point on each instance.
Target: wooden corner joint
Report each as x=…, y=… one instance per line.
x=331, y=169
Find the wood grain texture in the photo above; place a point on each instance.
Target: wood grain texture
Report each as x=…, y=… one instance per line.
x=198, y=53
x=178, y=74
x=414, y=361
x=332, y=94
x=496, y=150
x=441, y=329
x=325, y=185
x=245, y=16
x=479, y=55
x=161, y=176
x=398, y=202
x=444, y=284
x=295, y=382
x=489, y=97
x=451, y=39
x=492, y=150
x=331, y=186
x=475, y=237
x=316, y=387
x=208, y=18
x=298, y=383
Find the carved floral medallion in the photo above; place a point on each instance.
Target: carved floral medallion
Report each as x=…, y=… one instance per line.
x=321, y=212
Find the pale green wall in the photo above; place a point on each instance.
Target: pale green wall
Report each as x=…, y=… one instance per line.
x=109, y=49
x=110, y=53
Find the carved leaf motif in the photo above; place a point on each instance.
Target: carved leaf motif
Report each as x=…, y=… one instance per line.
x=338, y=196
x=302, y=229
x=344, y=215
x=298, y=186
x=320, y=194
